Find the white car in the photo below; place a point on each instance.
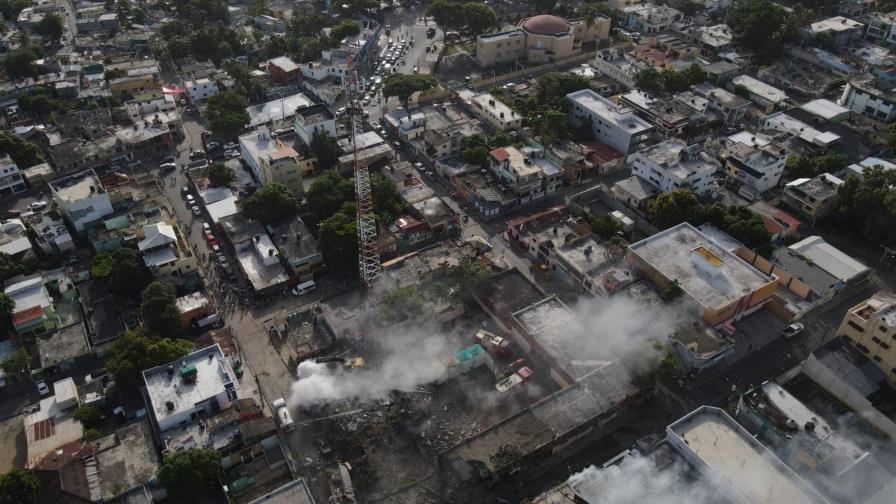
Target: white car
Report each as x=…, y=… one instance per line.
x=341, y=111
x=792, y=330
x=190, y=200
x=37, y=205
x=42, y=388
x=195, y=210
x=206, y=226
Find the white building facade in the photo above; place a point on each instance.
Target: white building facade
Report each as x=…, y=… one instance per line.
x=611, y=124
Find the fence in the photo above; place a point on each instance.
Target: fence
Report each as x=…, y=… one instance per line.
x=529, y=71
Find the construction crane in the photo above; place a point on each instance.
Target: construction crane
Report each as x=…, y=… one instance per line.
x=369, y=265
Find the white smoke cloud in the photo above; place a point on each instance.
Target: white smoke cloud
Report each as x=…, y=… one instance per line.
x=624, y=328
x=608, y=329
x=637, y=480
x=410, y=356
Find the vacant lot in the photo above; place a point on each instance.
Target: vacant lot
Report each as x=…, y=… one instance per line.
x=12, y=443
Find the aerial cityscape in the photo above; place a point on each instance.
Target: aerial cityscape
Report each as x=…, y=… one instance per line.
x=448, y=251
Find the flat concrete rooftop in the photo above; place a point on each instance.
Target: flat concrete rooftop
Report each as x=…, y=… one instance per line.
x=706, y=272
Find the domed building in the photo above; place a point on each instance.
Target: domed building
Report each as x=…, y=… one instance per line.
x=540, y=39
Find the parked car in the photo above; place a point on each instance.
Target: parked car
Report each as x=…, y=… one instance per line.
x=42, y=387
x=185, y=190
x=196, y=211
x=99, y=374
x=197, y=154
x=37, y=205
x=210, y=237
x=792, y=330
x=167, y=167
x=190, y=199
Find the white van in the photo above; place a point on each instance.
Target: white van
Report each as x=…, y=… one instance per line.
x=211, y=320
x=304, y=288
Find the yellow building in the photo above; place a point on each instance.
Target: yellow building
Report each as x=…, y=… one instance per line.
x=274, y=161
x=871, y=325
x=540, y=39
x=722, y=285
x=131, y=83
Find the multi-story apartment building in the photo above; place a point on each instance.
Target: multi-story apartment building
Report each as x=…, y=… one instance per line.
x=271, y=160
x=10, y=176
x=671, y=165
x=517, y=172
x=813, y=197
x=871, y=326
x=610, y=124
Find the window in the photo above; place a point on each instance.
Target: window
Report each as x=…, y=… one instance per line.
x=876, y=358
x=875, y=339
x=862, y=347
x=884, y=345
x=855, y=326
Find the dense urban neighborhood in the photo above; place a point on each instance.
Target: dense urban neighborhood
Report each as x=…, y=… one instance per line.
x=439, y=251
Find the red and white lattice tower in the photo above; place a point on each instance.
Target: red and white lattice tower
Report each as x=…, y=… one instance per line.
x=369, y=264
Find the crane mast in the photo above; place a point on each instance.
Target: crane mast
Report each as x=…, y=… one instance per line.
x=369, y=265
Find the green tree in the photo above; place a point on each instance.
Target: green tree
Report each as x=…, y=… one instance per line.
x=328, y=193
x=891, y=143
x=123, y=271
x=603, y=225
x=18, y=362
x=191, y=475
x=590, y=11
x=869, y=205
x=446, y=14
x=50, y=26
x=338, y=240
x=674, y=207
x=89, y=416
x=325, y=149
x=25, y=153
x=138, y=16
x=742, y=91
x=673, y=81
x=553, y=125
x=221, y=175
x=742, y=224
x=12, y=8
x=227, y=114
x=37, y=102
x=464, y=278
x=479, y=17
x=552, y=88
x=477, y=156
x=813, y=165
x=20, y=62
x=225, y=50
x=271, y=203
x=387, y=203
x=19, y=486
x=136, y=351
x=500, y=139
x=344, y=29
x=650, y=80
x=401, y=304
x=763, y=26
x=7, y=306
x=159, y=309
x=405, y=85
